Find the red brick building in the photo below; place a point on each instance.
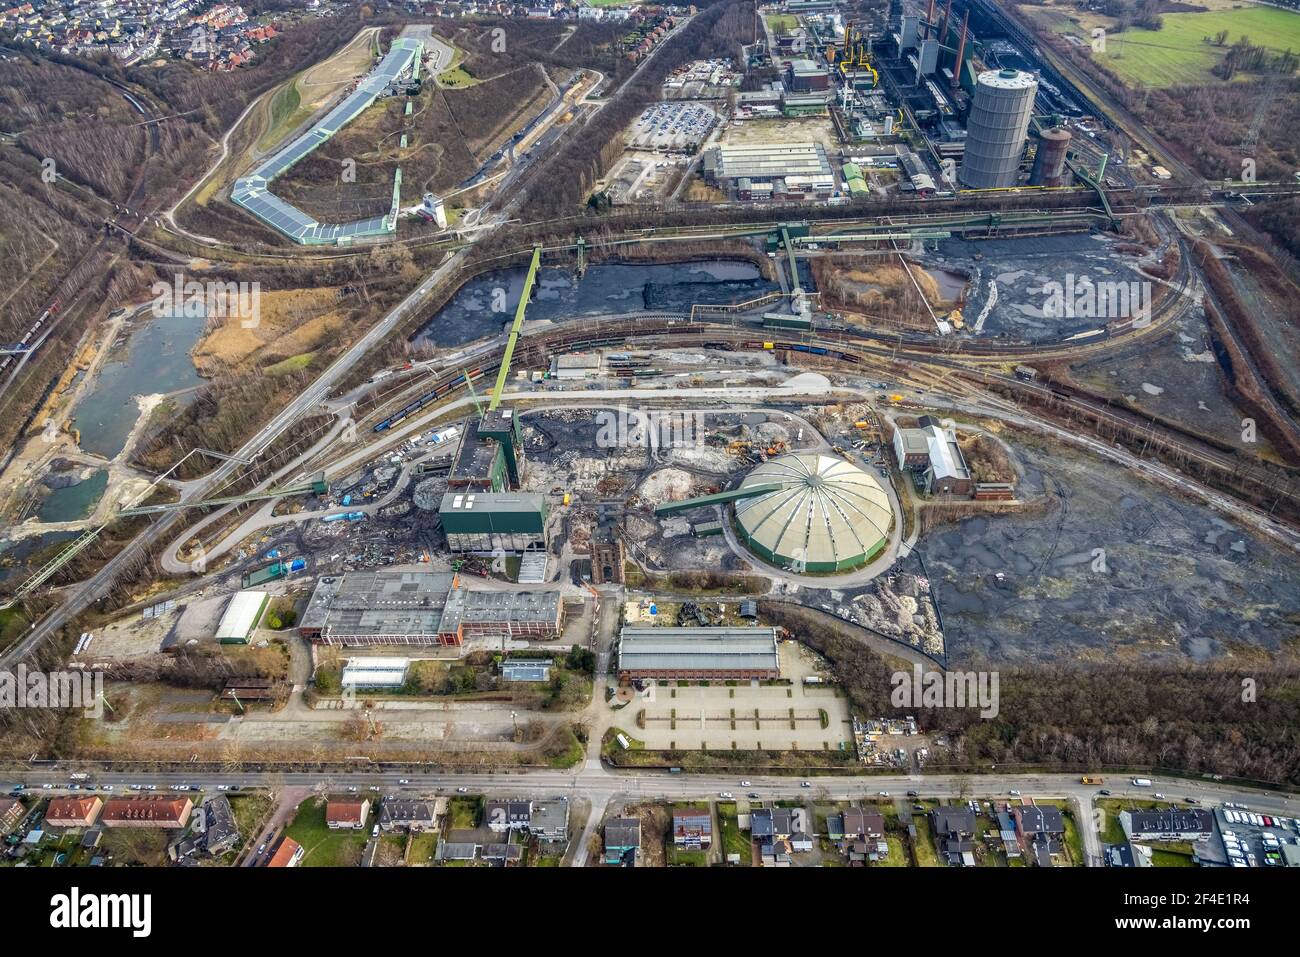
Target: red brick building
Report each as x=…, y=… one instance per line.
x=158, y=811
x=73, y=812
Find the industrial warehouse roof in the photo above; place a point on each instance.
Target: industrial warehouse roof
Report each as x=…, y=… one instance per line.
x=483, y=607
x=826, y=514
x=769, y=160
x=463, y=512
x=252, y=192
x=654, y=649
x=241, y=615
x=404, y=605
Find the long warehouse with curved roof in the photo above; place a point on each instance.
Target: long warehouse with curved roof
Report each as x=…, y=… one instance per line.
x=822, y=514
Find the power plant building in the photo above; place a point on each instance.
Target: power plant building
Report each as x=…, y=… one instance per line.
x=488, y=522
x=423, y=608
x=996, y=129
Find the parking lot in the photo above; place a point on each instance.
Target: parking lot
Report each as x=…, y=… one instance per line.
x=745, y=716
x=672, y=126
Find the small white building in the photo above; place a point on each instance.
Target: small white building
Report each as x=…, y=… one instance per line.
x=375, y=672
x=578, y=365
x=241, y=617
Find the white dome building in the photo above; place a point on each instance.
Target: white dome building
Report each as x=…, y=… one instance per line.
x=822, y=514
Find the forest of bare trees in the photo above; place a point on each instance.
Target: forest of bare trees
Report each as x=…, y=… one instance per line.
x=1235, y=721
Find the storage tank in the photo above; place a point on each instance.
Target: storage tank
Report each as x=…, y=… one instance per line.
x=819, y=513
x=1049, y=163
x=996, y=128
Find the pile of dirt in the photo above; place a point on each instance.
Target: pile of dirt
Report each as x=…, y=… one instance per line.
x=666, y=485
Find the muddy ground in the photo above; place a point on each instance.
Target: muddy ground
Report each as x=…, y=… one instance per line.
x=1112, y=568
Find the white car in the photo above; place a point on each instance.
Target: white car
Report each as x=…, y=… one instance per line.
x=223, y=787
x=805, y=784
x=399, y=781
x=462, y=790
x=725, y=794
x=108, y=787
x=744, y=784
x=884, y=794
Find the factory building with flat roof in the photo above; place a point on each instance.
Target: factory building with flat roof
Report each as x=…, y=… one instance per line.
x=780, y=171
x=703, y=653
x=241, y=617
x=486, y=523
x=423, y=608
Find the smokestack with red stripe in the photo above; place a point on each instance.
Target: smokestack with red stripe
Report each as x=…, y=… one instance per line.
x=961, y=50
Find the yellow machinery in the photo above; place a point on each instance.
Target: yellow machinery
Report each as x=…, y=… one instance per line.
x=854, y=57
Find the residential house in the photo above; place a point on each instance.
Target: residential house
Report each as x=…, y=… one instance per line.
x=1040, y=831
x=287, y=854
x=505, y=816
x=154, y=811
x=73, y=811
x=862, y=825
x=693, y=827
x=954, y=829
x=1008, y=836
x=220, y=832
x=550, y=820
x=406, y=815
x=779, y=832
x=1126, y=855
x=1171, y=824
x=622, y=841
x=347, y=814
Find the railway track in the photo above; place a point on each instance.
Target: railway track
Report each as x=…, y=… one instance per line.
x=836, y=347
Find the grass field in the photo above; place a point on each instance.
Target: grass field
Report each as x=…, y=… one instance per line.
x=321, y=846
x=291, y=364
x=782, y=22
x=1177, y=54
